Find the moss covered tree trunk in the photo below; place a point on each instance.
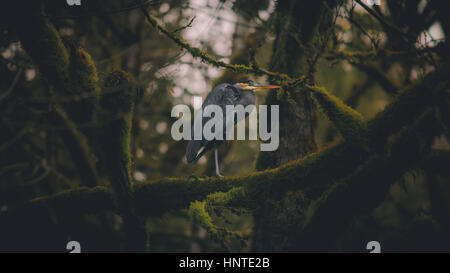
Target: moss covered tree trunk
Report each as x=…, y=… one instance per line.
x=299, y=26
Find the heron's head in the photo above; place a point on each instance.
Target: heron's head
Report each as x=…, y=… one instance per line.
x=250, y=85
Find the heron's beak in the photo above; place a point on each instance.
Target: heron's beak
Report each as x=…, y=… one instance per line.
x=261, y=87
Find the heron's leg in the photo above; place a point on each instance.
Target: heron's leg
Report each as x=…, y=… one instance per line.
x=216, y=157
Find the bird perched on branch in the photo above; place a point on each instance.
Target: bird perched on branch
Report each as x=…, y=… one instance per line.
x=241, y=93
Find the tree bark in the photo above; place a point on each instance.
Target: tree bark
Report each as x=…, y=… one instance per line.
x=297, y=25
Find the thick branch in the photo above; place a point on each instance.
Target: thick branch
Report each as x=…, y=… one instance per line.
x=78, y=147
x=115, y=138
x=348, y=121
x=364, y=190
x=379, y=76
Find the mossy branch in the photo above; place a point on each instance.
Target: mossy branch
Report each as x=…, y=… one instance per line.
x=348, y=121
x=42, y=42
x=384, y=53
x=200, y=213
x=234, y=198
x=78, y=147
x=366, y=188
x=84, y=80
x=115, y=154
x=198, y=53
x=114, y=134
x=408, y=106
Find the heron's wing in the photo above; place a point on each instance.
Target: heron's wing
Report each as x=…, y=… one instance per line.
x=246, y=98
x=221, y=95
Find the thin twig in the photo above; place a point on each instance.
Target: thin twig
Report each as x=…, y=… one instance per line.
x=184, y=27
x=196, y=52
x=382, y=20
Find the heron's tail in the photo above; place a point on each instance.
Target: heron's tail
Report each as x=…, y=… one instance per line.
x=192, y=150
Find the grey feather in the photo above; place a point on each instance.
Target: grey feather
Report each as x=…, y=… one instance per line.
x=222, y=95
x=192, y=149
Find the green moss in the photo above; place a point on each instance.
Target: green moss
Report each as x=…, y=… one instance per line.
x=115, y=115
x=198, y=213
x=85, y=72
x=348, y=121
x=118, y=95
x=42, y=42
x=236, y=197
x=217, y=202
x=177, y=193
x=84, y=88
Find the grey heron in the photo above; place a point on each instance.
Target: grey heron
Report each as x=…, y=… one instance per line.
x=241, y=93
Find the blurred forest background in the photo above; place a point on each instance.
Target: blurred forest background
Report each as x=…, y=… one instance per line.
x=86, y=94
